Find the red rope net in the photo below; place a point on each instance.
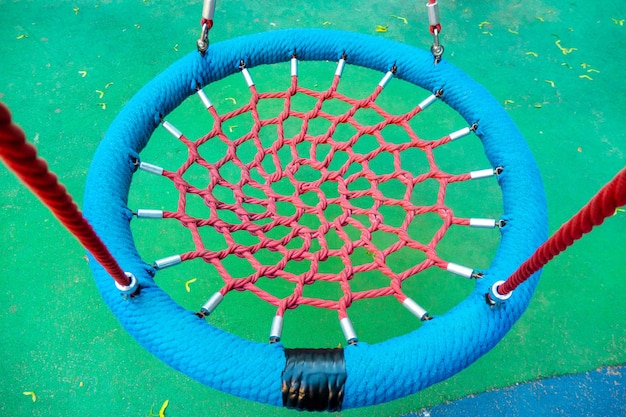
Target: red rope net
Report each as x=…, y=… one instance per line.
x=299, y=202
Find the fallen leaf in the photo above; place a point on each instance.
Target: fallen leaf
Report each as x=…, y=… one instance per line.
x=163, y=407
x=32, y=395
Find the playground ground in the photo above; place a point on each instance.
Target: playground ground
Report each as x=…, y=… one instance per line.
x=68, y=67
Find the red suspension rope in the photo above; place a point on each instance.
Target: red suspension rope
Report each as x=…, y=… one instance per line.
x=601, y=206
x=21, y=157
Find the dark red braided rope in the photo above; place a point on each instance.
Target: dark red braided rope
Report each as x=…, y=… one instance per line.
x=21, y=157
x=601, y=206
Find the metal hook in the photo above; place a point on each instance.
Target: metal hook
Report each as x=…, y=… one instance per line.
x=203, y=40
x=437, y=48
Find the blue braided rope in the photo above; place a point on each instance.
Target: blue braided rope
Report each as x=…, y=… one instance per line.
x=376, y=373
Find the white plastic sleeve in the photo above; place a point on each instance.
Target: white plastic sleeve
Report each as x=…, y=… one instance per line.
x=213, y=302
x=483, y=173
x=167, y=262
x=414, y=308
x=386, y=79
x=460, y=270
x=149, y=214
x=483, y=223
x=153, y=169
x=208, y=9
x=428, y=101
x=277, y=328
x=248, y=77
x=433, y=13
x=340, y=67
x=460, y=133
x=172, y=129
x=294, y=66
x=348, y=330
x=205, y=100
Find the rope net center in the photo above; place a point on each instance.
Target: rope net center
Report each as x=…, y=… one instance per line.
x=322, y=193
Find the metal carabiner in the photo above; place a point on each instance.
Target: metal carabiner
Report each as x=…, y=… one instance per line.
x=203, y=41
x=208, y=11
x=437, y=48
x=435, y=28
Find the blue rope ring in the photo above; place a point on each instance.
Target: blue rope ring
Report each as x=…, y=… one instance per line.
x=375, y=373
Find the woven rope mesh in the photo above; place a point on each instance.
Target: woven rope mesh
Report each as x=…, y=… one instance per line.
x=314, y=188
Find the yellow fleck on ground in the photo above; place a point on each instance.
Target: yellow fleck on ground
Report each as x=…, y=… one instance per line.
x=404, y=19
x=563, y=49
x=191, y=281
x=32, y=394
x=163, y=407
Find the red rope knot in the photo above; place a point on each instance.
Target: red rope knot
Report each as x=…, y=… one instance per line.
x=309, y=277
x=323, y=254
x=276, y=176
x=348, y=248
x=376, y=220
x=291, y=302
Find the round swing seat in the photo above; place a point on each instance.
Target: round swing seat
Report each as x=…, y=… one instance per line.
x=359, y=374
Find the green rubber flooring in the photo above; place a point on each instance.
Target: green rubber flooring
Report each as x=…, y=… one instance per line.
x=68, y=67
